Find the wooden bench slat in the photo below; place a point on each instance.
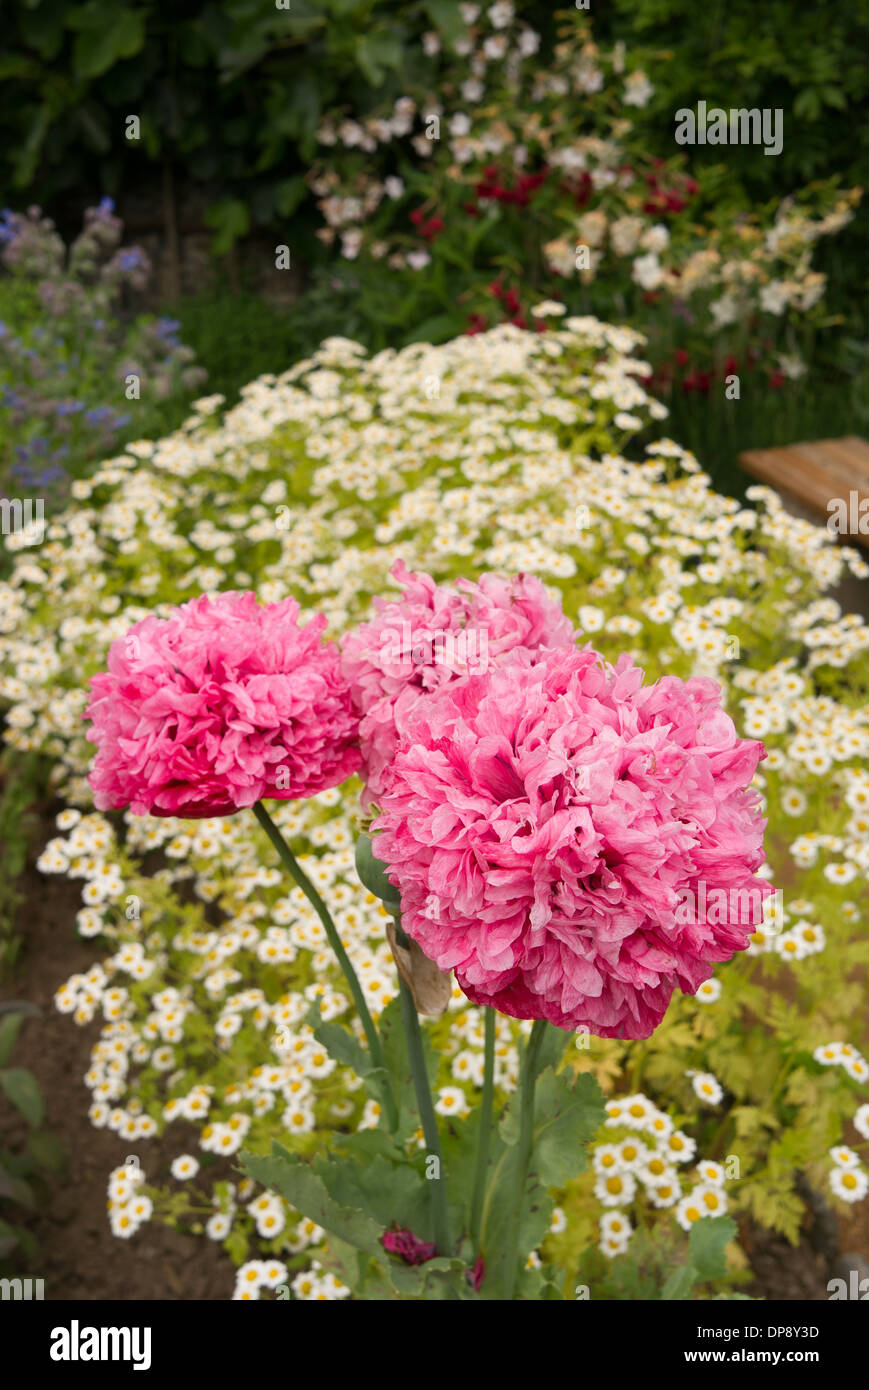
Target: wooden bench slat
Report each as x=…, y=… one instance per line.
x=814, y=473
x=806, y=480
x=844, y=462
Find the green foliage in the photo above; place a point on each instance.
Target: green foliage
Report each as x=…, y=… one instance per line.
x=237, y=336
x=661, y=1267
x=23, y=1170
x=229, y=92
x=21, y=779
x=371, y=1183
x=768, y=56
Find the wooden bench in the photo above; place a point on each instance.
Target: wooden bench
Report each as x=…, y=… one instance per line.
x=811, y=476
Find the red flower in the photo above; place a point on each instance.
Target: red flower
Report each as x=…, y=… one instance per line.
x=427, y=229
x=471, y=209
x=477, y=1274
x=496, y=288
x=681, y=356
x=488, y=187
x=584, y=191
x=407, y=1246
x=478, y=325
x=776, y=380
x=731, y=366
x=511, y=302
x=519, y=321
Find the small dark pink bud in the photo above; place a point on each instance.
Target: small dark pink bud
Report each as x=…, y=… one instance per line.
x=409, y=1247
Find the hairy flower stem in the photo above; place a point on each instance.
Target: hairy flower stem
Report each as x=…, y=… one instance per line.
x=485, y=1130
x=296, y=872
x=416, y=1054
x=527, y=1085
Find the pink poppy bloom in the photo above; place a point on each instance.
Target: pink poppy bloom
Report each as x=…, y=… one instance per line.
x=546, y=822
x=222, y=703
x=432, y=635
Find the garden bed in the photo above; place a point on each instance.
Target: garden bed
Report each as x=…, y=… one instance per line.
x=80, y=1258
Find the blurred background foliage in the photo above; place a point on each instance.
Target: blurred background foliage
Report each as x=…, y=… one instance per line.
x=230, y=94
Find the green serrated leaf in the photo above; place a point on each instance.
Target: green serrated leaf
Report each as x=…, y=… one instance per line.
x=15, y=1189
x=535, y=1218
x=552, y=1048
x=707, y=1241
x=680, y=1282
x=570, y=1116
x=22, y=1089
x=105, y=37
x=435, y=330
x=376, y=52
x=236, y=1246
x=230, y=218
x=288, y=194
x=9, y=1026
x=390, y=1193
x=340, y=1043
x=305, y=1189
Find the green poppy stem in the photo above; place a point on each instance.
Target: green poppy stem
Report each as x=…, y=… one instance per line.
x=528, y=1082
x=485, y=1130
x=416, y=1054
x=296, y=872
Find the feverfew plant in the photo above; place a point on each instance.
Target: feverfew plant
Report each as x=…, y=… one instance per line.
x=509, y=452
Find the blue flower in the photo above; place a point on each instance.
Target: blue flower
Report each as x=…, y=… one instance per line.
x=7, y=230
x=37, y=446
